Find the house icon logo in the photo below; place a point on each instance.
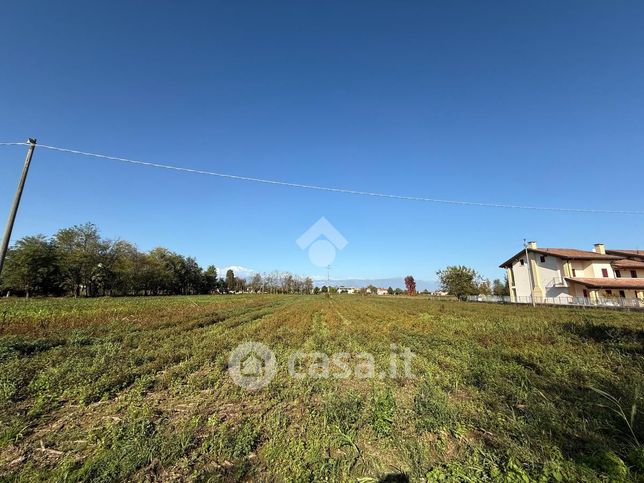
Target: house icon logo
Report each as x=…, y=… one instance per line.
x=252, y=365
x=322, y=240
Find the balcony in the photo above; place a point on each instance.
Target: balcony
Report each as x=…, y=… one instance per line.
x=558, y=282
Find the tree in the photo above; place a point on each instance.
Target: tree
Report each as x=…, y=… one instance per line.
x=240, y=284
x=256, y=283
x=32, y=267
x=398, y=291
x=230, y=280
x=390, y=291
x=124, y=269
x=372, y=289
x=81, y=249
x=459, y=280
x=209, y=280
x=410, y=284
x=308, y=285
x=316, y=290
x=270, y=281
x=172, y=273
x=324, y=289
x=156, y=278
x=500, y=288
x=485, y=287
x=191, y=276
x=288, y=282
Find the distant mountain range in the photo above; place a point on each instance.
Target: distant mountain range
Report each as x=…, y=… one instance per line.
x=397, y=282
x=394, y=282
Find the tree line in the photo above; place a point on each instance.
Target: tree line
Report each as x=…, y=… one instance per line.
x=78, y=261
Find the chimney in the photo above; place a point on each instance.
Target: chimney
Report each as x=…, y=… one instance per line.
x=600, y=248
x=532, y=245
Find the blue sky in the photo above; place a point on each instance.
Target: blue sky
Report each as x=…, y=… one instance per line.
x=506, y=102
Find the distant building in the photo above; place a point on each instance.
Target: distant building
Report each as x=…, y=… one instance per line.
x=382, y=291
x=342, y=289
x=567, y=273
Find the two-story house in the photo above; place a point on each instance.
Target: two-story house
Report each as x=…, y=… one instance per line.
x=564, y=274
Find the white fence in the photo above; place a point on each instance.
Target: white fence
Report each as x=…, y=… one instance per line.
x=614, y=302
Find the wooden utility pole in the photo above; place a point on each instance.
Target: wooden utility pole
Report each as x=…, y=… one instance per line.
x=16, y=202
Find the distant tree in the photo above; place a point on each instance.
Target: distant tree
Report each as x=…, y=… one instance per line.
x=256, y=283
x=191, y=276
x=288, y=283
x=485, y=287
x=459, y=280
x=324, y=289
x=240, y=284
x=390, y=291
x=500, y=288
x=32, y=267
x=410, y=284
x=80, y=249
x=209, y=280
x=270, y=282
x=156, y=272
x=307, y=285
x=316, y=290
x=221, y=285
x=172, y=273
x=372, y=289
x=398, y=291
x=125, y=265
x=230, y=280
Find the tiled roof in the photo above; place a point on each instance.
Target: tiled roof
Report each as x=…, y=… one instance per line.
x=565, y=253
x=625, y=263
x=572, y=253
x=628, y=283
x=627, y=253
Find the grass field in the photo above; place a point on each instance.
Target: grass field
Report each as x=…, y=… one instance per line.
x=138, y=389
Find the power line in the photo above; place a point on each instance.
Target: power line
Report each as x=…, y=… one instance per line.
x=331, y=189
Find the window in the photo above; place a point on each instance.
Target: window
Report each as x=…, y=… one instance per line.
x=618, y=274
x=605, y=272
x=633, y=274
x=574, y=272
x=609, y=292
x=622, y=294
x=543, y=259
x=522, y=262
x=586, y=293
